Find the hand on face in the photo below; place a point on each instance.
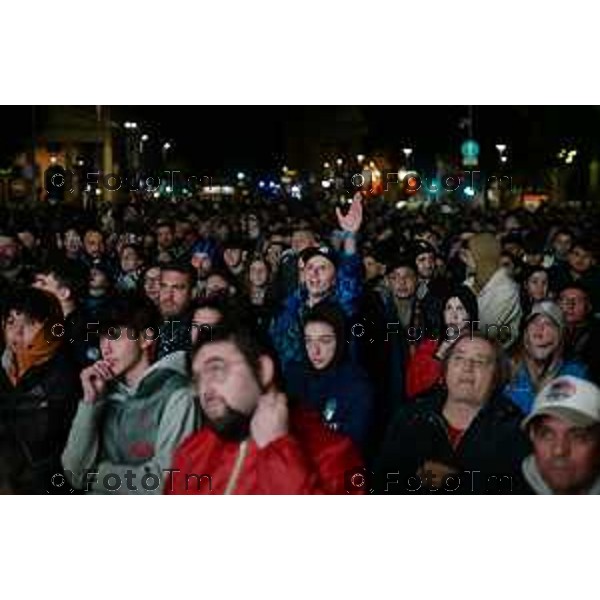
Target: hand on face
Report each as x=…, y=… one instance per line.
x=94, y=380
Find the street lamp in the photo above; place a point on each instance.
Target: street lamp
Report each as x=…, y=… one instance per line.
x=503, y=159
x=326, y=165
x=407, y=152
x=339, y=162
x=240, y=176
x=166, y=146
x=501, y=148
x=360, y=158
x=145, y=137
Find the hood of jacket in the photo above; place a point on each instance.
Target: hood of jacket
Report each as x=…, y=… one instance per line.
x=170, y=371
x=537, y=483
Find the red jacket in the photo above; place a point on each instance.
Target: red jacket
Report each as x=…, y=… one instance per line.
x=424, y=371
x=310, y=459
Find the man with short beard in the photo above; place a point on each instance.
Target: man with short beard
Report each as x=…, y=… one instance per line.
x=564, y=428
x=253, y=441
x=540, y=355
x=13, y=270
x=582, y=332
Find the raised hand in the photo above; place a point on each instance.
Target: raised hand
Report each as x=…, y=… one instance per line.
x=270, y=419
x=353, y=219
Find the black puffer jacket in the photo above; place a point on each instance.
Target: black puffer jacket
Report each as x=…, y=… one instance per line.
x=488, y=457
x=35, y=417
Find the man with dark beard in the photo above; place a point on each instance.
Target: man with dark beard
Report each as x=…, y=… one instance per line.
x=253, y=442
x=13, y=270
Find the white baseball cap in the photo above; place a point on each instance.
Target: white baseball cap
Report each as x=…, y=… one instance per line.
x=570, y=398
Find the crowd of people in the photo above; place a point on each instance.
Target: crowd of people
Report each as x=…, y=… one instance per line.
x=283, y=347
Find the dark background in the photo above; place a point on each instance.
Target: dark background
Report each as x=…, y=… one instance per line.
x=256, y=137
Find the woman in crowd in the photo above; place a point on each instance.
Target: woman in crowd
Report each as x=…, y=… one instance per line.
x=327, y=380
x=425, y=367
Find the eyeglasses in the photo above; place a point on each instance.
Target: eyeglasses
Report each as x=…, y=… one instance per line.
x=218, y=371
x=478, y=363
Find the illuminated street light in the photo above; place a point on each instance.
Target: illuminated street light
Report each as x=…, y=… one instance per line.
x=261, y=184
x=240, y=176
x=504, y=158
x=145, y=137
x=407, y=151
x=326, y=165
x=326, y=183
x=339, y=162
x=501, y=148
x=360, y=158
x=166, y=146
x=284, y=169
x=53, y=160
x=168, y=189
x=98, y=191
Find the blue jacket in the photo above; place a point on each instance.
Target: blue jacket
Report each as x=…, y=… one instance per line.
x=522, y=391
x=343, y=396
x=286, y=327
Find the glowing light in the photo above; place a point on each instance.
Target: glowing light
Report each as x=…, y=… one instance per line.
x=326, y=183
x=407, y=151
x=53, y=160
x=166, y=145
x=145, y=137
x=98, y=191
x=501, y=147
x=168, y=189
x=339, y=162
x=240, y=176
x=261, y=184
x=504, y=158
x=360, y=157
x=156, y=194
x=469, y=191
x=326, y=165
x=400, y=205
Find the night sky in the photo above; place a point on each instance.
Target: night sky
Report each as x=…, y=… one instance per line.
x=235, y=137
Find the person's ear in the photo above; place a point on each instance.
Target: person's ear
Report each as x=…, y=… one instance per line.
x=64, y=293
x=267, y=372
x=145, y=341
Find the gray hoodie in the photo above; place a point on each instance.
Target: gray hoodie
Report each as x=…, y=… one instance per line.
x=125, y=440
x=537, y=483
